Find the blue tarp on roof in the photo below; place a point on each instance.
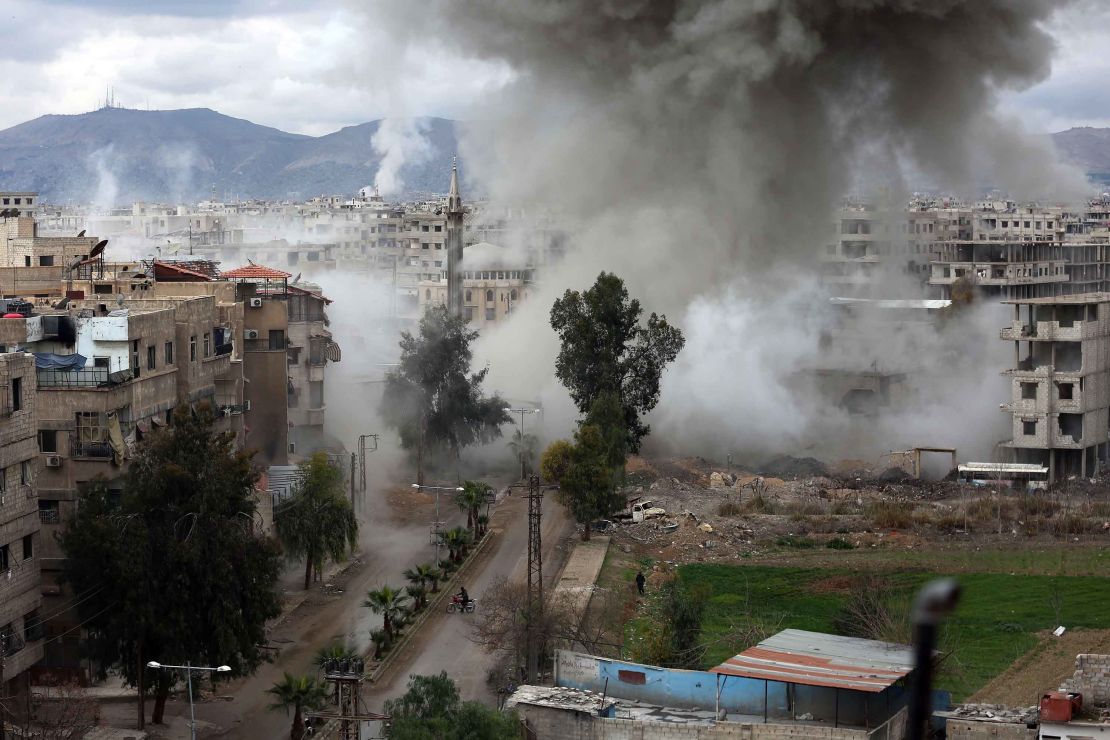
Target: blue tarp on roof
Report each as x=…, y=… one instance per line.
x=51, y=361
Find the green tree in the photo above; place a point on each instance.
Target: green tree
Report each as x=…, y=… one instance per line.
x=431, y=710
x=317, y=523
x=418, y=593
x=587, y=488
x=298, y=693
x=604, y=348
x=426, y=574
x=432, y=399
x=607, y=415
x=457, y=540
x=173, y=567
x=555, y=460
x=389, y=602
x=470, y=500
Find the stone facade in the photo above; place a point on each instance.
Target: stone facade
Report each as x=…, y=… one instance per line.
x=20, y=540
x=969, y=729
x=1091, y=679
x=551, y=723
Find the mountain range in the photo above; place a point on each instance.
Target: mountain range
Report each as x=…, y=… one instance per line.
x=117, y=155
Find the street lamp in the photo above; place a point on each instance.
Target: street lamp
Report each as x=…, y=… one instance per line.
x=522, y=412
x=437, y=489
x=189, y=684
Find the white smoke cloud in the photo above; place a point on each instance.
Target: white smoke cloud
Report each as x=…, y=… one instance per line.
x=701, y=147
x=400, y=142
x=102, y=162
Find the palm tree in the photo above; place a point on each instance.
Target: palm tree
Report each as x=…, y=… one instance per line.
x=455, y=540
x=483, y=522
x=430, y=576
x=388, y=602
x=470, y=499
x=380, y=638
x=317, y=523
x=300, y=693
x=524, y=446
x=417, y=593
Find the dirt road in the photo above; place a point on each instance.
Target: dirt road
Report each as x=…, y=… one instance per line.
x=444, y=643
x=242, y=712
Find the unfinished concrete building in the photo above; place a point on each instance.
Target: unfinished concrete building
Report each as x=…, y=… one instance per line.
x=1060, y=382
x=20, y=544
x=1014, y=270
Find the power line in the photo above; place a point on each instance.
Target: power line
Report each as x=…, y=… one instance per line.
x=79, y=599
x=79, y=626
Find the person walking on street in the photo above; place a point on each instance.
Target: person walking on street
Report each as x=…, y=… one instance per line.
x=640, y=581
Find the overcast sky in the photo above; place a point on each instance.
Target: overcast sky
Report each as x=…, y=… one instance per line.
x=307, y=68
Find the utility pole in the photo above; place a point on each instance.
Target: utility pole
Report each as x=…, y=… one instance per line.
x=535, y=577
x=352, y=482
x=522, y=412
x=362, y=450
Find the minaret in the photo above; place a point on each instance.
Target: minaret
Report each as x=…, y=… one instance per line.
x=454, y=245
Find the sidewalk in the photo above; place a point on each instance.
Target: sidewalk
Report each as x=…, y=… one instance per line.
x=581, y=571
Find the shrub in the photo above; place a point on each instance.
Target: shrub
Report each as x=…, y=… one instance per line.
x=801, y=543
x=839, y=543
x=729, y=508
x=758, y=504
x=890, y=514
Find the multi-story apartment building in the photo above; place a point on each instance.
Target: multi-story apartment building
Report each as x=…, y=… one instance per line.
x=494, y=283
x=20, y=541
x=1060, y=382
x=1025, y=269
x=310, y=348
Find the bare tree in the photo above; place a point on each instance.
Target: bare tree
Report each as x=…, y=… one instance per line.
x=68, y=715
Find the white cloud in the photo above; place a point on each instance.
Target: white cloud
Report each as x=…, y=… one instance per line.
x=306, y=71
x=312, y=69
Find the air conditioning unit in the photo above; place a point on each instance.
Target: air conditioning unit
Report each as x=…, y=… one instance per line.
x=255, y=303
x=247, y=405
x=250, y=334
x=53, y=461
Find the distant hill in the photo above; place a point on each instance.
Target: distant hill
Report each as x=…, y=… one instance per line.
x=117, y=155
x=1088, y=148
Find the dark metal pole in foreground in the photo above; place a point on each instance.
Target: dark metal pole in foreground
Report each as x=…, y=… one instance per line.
x=934, y=602
x=535, y=577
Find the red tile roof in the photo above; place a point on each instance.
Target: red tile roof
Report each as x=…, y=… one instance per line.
x=256, y=271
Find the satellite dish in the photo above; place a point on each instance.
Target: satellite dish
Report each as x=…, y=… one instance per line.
x=80, y=233
x=75, y=264
x=61, y=304
x=297, y=279
x=120, y=300
x=98, y=249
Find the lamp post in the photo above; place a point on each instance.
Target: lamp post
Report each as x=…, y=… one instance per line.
x=522, y=412
x=437, y=489
x=189, y=685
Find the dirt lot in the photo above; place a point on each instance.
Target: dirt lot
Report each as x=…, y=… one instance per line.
x=815, y=511
x=1043, y=668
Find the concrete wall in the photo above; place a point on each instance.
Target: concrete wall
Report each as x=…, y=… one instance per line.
x=738, y=695
x=1091, y=679
x=963, y=729
x=1074, y=731
x=561, y=724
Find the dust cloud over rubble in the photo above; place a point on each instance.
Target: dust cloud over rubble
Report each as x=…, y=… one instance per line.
x=699, y=148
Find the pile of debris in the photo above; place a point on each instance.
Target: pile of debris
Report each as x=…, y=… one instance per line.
x=1000, y=713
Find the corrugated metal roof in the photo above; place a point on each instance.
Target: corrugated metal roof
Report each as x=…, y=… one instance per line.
x=818, y=659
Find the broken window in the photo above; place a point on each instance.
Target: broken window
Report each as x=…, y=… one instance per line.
x=1071, y=425
x=1067, y=391
x=1069, y=356
x=1028, y=391
x=1029, y=428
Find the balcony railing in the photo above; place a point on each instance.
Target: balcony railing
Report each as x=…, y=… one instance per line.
x=90, y=377
x=98, y=450
x=50, y=516
x=224, y=349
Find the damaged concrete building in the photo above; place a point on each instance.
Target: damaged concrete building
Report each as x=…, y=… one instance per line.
x=1060, y=382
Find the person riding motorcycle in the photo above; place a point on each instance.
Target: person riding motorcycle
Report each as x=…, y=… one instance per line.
x=463, y=596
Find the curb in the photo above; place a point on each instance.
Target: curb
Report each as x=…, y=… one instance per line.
x=414, y=628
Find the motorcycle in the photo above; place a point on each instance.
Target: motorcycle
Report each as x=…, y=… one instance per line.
x=456, y=605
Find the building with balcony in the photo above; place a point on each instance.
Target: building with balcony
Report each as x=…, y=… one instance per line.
x=21, y=643
x=105, y=375
x=1060, y=383
x=1018, y=270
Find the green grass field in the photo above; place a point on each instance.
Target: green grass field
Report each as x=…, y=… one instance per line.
x=996, y=622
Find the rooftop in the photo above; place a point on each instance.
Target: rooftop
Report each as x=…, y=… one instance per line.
x=926, y=303
x=818, y=659
x=260, y=272
x=979, y=467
